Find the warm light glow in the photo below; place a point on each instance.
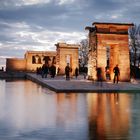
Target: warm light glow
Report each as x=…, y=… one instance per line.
x=109, y=35
x=105, y=110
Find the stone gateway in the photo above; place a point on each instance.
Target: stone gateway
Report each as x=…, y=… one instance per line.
x=108, y=47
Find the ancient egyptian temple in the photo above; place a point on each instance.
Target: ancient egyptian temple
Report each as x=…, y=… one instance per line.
x=65, y=53
x=108, y=47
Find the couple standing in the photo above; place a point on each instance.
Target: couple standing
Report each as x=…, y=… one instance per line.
x=116, y=71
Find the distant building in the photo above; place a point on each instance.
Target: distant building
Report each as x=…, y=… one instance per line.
x=30, y=62
x=65, y=53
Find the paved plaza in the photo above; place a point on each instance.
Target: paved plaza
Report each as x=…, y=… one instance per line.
x=59, y=84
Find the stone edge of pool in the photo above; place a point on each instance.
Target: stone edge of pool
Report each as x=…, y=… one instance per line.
x=97, y=89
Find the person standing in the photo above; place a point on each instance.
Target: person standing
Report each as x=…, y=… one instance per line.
x=45, y=70
x=107, y=73
x=58, y=71
x=99, y=76
x=52, y=71
x=67, y=71
x=76, y=72
x=116, y=71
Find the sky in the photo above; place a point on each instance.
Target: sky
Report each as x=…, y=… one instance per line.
x=40, y=24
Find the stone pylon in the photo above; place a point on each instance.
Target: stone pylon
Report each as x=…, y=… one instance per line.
x=108, y=47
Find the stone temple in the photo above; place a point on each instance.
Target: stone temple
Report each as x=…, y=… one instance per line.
x=108, y=47
x=65, y=53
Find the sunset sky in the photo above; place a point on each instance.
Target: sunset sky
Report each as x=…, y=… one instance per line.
x=39, y=24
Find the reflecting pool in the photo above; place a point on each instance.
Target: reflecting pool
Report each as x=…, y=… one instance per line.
x=31, y=112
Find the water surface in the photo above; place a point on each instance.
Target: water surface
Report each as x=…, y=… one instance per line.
x=31, y=112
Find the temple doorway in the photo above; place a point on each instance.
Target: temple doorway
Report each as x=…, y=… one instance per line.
x=107, y=68
x=67, y=53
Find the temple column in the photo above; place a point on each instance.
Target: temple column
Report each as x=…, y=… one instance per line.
x=102, y=59
x=124, y=62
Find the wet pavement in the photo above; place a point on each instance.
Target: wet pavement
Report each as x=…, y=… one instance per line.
x=59, y=84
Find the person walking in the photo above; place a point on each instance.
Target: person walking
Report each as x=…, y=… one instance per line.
x=116, y=71
x=67, y=71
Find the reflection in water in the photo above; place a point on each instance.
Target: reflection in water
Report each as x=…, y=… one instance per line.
x=108, y=116
x=30, y=112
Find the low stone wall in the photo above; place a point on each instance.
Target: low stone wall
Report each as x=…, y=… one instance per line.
x=12, y=75
x=15, y=64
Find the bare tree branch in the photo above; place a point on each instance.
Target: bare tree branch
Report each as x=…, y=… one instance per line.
x=134, y=44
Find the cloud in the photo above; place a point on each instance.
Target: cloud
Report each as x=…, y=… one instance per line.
x=39, y=24
x=62, y=2
x=32, y=2
x=21, y=37
x=19, y=3
x=46, y=15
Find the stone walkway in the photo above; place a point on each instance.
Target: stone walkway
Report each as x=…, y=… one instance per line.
x=59, y=84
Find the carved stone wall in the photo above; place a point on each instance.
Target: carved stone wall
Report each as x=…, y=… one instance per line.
x=65, y=53
x=35, y=59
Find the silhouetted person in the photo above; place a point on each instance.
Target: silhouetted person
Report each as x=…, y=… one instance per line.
x=107, y=73
x=37, y=70
x=58, y=70
x=116, y=71
x=67, y=71
x=76, y=72
x=45, y=70
x=2, y=69
x=40, y=70
x=85, y=70
x=99, y=75
x=53, y=71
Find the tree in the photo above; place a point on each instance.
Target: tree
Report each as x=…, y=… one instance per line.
x=83, y=52
x=134, y=44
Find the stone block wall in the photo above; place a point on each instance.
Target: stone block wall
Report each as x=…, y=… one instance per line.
x=15, y=64
x=67, y=50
